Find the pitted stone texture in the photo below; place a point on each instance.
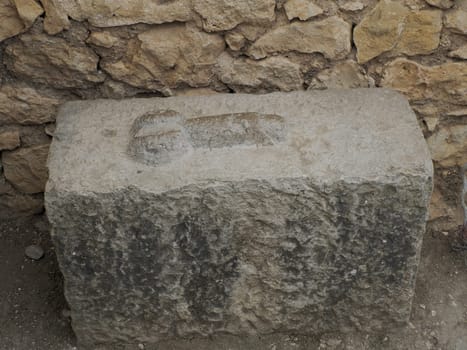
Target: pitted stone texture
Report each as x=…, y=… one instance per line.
x=269, y=214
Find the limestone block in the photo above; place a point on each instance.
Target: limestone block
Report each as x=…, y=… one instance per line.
x=25, y=168
x=239, y=214
x=16, y=16
x=330, y=36
x=301, y=9
x=392, y=27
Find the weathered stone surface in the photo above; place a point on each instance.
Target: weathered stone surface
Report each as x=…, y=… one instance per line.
x=235, y=41
x=25, y=168
x=442, y=4
x=301, y=9
x=446, y=82
x=168, y=56
x=25, y=105
x=53, y=61
x=461, y=52
x=103, y=13
x=103, y=38
x=351, y=5
x=448, y=145
x=28, y=11
x=226, y=14
x=456, y=20
x=15, y=20
x=239, y=214
x=390, y=26
x=14, y=204
x=330, y=36
x=347, y=74
x=56, y=18
x=270, y=74
x=9, y=140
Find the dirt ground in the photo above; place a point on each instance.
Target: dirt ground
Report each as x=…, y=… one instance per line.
x=33, y=310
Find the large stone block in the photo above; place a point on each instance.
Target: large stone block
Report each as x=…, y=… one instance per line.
x=241, y=214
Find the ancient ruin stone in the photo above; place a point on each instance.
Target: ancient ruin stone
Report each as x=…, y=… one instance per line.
x=25, y=105
x=25, y=168
x=103, y=13
x=347, y=74
x=456, y=20
x=15, y=204
x=16, y=16
x=9, y=140
x=226, y=14
x=330, y=36
x=446, y=82
x=270, y=74
x=168, y=56
x=28, y=11
x=239, y=214
x=56, y=18
x=448, y=145
x=442, y=4
x=391, y=26
x=53, y=61
x=461, y=52
x=301, y=9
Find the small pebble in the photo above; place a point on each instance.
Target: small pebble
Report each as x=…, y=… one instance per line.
x=34, y=252
x=141, y=346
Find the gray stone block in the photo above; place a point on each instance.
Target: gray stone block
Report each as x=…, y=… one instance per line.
x=283, y=213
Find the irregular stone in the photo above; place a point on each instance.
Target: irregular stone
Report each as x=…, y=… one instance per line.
x=25, y=168
x=236, y=41
x=11, y=21
x=50, y=129
x=347, y=74
x=457, y=113
x=34, y=252
x=104, y=39
x=442, y=4
x=446, y=82
x=239, y=214
x=301, y=9
x=448, y=145
x=352, y=5
x=330, y=36
x=9, y=140
x=168, y=56
x=226, y=14
x=461, y=52
x=56, y=18
x=25, y=105
x=390, y=26
x=104, y=13
x=456, y=20
x=28, y=11
x=270, y=74
x=14, y=204
x=53, y=61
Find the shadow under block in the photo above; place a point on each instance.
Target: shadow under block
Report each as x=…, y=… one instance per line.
x=242, y=214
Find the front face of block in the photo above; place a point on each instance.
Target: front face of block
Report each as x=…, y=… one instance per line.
x=245, y=251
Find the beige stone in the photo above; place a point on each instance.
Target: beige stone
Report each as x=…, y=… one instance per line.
x=270, y=74
x=446, y=82
x=10, y=22
x=442, y=4
x=456, y=20
x=448, y=145
x=461, y=52
x=25, y=168
x=56, y=18
x=9, y=140
x=439, y=209
x=25, y=105
x=227, y=14
x=301, y=9
x=235, y=41
x=352, y=5
x=457, y=113
x=347, y=74
x=104, y=39
x=28, y=10
x=104, y=13
x=53, y=61
x=390, y=26
x=168, y=56
x=330, y=36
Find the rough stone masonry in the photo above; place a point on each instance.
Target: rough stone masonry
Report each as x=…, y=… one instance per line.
x=243, y=214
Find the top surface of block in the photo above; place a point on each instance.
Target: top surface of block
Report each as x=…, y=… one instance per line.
x=159, y=144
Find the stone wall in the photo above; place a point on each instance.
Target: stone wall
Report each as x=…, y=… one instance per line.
x=56, y=50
